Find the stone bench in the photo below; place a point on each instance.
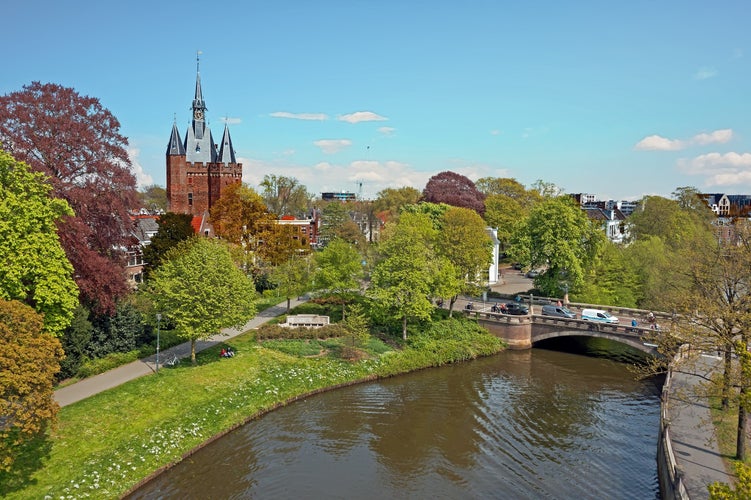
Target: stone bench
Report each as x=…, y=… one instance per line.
x=305, y=320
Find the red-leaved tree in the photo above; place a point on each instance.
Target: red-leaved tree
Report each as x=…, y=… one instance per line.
x=455, y=190
x=77, y=142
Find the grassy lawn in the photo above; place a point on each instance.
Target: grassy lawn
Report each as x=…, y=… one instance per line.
x=105, y=445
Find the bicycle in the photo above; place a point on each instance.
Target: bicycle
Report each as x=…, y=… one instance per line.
x=173, y=361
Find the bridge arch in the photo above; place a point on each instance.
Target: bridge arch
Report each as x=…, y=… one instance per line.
x=635, y=342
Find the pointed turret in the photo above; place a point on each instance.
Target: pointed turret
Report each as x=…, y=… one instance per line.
x=226, y=151
x=175, y=146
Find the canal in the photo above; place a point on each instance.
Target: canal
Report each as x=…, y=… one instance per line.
x=542, y=423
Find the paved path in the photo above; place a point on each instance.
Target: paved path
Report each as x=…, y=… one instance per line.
x=692, y=434
x=146, y=366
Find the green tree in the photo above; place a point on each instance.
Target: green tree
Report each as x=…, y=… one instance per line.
x=153, y=198
x=200, y=290
x=558, y=237
x=466, y=244
x=338, y=268
x=334, y=219
x=391, y=200
x=33, y=265
x=173, y=229
x=28, y=363
x=667, y=219
x=292, y=277
x=285, y=195
x=401, y=281
x=612, y=280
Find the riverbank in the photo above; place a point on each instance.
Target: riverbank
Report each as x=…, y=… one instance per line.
x=93, y=454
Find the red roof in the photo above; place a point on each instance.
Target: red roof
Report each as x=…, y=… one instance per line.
x=196, y=223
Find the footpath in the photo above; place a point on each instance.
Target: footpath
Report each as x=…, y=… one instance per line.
x=147, y=366
x=692, y=434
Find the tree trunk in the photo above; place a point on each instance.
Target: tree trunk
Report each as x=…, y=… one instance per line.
x=726, y=382
x=288, y=302
x=193, y=351
x=452, y=301
x=740, y=445
x=404, y=327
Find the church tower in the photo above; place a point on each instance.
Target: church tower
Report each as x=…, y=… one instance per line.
x=198, y=169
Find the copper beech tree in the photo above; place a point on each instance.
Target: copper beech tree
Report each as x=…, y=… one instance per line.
x=76, y=142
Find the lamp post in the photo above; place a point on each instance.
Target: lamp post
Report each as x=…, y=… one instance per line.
x=158, y=324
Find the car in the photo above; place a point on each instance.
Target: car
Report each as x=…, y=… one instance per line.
x=517, y=309
x=532, y=273
x=559, y=311
x=598, y=315
x=517, y=266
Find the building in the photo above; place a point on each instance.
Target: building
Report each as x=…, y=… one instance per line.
x=198, y=169
x=342, y=196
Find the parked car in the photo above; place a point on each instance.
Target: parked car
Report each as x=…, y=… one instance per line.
x=598, y=315
x=517, y=266
x=559, y=311
x=533, y=273
x=517, y=309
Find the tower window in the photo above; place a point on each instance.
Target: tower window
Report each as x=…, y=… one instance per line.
x=198, y=148
x=190, y=199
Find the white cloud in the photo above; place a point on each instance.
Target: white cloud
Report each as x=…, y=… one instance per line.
x=705, y=73
x=387, y=130
x=231, y=121
x=720, y=169
x=142, y=178
x=718, y=136
x=300, y=116
x=362, y=116
x=658, y=143
x=331, y=146
x=495, y=132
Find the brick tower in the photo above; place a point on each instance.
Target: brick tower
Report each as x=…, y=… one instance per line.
x=198, y=169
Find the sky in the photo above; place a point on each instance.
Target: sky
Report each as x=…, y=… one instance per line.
x=616, y=99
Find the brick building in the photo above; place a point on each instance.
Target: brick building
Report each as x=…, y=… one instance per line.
x=198, y=169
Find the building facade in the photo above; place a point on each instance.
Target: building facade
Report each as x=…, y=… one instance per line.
x=198, y=169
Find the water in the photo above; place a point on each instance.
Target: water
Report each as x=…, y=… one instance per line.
x=529, y=424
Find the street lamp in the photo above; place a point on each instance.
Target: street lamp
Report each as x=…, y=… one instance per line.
x=158, y=324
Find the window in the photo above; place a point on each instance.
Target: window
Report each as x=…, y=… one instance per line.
x=190, y=199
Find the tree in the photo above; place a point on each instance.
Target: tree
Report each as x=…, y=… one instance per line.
x=200, y=290
x=77, y=143
x=292, y=278
x=240, y=214
x=402, y=280
x=454, y=189
x=559, y=237
x=173, y=229
x=658, y=216
x=466, y=244
x=338, y=269
x=391, y=200
x=334, y=221
x=505, y=214
x=28, y=363
x=33, y=265
x=153, y=198
x=285, y=195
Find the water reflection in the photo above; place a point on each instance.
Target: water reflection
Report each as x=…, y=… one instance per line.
x=518, y=425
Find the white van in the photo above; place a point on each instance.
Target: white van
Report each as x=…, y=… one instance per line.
x=598, y=315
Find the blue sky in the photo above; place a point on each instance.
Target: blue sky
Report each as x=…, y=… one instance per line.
x=618, y=99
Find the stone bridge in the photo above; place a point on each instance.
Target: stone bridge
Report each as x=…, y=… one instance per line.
x=521, y=332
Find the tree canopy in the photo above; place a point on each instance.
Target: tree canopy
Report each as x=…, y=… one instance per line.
x=338, y=268
x=402, y=281
x=285, y=195
x=454, y=189
x=200, y=290
x=391, y=200
x=173, y=228
x=33, y=265
x=558, y=237
x=28, y=364
x=75, y=141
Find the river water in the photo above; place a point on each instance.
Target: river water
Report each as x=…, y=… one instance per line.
x=540, y=423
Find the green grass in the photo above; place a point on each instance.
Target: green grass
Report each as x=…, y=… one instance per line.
x=106, y=444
